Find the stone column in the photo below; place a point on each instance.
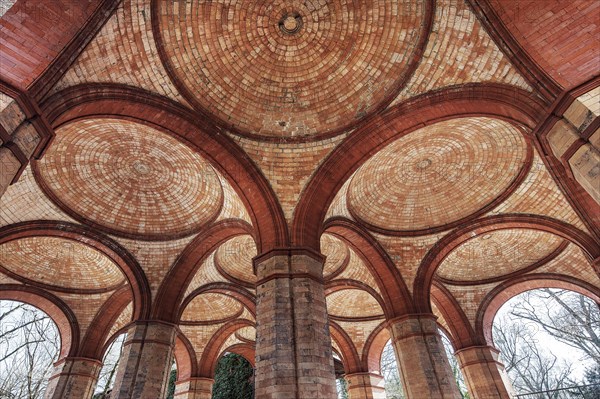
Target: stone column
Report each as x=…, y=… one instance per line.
x=146, y=361
x=293, y=346
x=484, y=374
x=422, y=360
x=365, y=386
x=73, y=378
x=194, y=388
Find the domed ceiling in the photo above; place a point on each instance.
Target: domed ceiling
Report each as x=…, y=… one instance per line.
x=289, y=68
x=130, y=179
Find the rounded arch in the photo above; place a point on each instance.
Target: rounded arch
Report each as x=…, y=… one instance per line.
x=242, y=295
x=395, y=295
x=348, y=284
x=436, y=255
x=245, y=350
x=374, y=347
x=212, y=352
x=185, y=357
x=511, y=288
x=92, y=345
x=171, y=292
x=481, y=99
x=348, y=353
x=461, y=332
x=59, y=312
x=133, y=272
x=121, y=101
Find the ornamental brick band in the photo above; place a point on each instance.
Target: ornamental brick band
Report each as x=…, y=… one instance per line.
x=73, y=378
x=194, y=388
x=293, y=346
x=365, y=386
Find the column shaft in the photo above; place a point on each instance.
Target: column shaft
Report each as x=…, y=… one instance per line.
x=194, y=388
x=73, y=378
x=146, y=361
x=422, y=360
x=484, y=374
x=365, y=386
x=293, y=346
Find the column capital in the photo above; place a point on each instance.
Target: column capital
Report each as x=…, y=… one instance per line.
x=293, y=262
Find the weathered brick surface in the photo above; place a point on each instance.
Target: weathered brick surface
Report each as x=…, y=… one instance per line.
x=484, y=374
x=145, y=362
x=365, y=386
x=293, y=346
x=425, y=369
x=73, y=378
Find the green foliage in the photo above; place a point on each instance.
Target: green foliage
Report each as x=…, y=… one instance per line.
x=171, y=386
x=234, y=378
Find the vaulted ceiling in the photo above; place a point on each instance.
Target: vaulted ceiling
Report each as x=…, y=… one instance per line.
x=407, y=140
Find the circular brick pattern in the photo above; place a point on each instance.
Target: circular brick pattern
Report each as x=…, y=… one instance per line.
x=353, y=303
x=290, y=67
x=438, y=175
x=234, y=258
x=211, y=307
x=336, y=253
x=130, y=179
x=498, y=253
x=60, y=262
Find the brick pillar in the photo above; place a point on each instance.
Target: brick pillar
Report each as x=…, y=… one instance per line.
x=293, y=346
x=484, y=374
x=365, y=386
x=73, y=378
x=194, y=388
x=23, y=135
x=422, y=360
x=146, y=361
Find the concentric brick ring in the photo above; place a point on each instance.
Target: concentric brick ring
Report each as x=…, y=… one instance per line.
x=129, y=179
x=337, y=254
x=439, y=175
x=498, y=254
x=59, y=263
x=290, y=68
x=234, y=259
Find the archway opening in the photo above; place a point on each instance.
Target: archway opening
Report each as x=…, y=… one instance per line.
x=29, y=345
x=108, y=373
x=549, y=342
x=234, y=378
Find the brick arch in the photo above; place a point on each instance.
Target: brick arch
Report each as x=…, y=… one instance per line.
x=59, y=312
x=348, y=353
x=92, y=345
x=461, y=333
x=436, y=255
x=345, y=284
x=245, y=350
x=242, y=295
x=129, y=266
x=212, y=353
x=492, y=100
x=374, y=347
x=395, y=295
x=185, y=357
x=171, y=292
x=511, y=288
x=121, y=101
